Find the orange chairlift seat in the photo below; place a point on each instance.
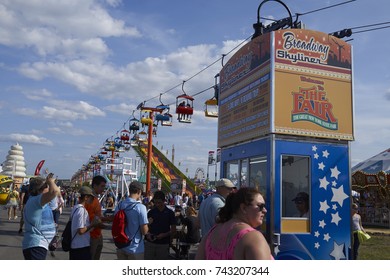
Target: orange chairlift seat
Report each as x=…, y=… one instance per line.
x=142, y=136
x=184, y=108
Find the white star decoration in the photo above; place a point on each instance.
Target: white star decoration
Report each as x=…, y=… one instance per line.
x=321, y=166
x=322, y=224
x=336, y=218
x=339, y=195
x=316, y=156
x=324, y=206
x=335, y=172
x=325, y=154
x=337, y=252
x=326, y=237
x=334, y=184
x=324, y=183
x=314, y=148
x=334, y=207
x=316, y=234
x=316, y=245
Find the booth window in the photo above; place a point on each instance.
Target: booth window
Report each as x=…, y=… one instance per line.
x=248, y=172
x=232, y=172
x=295, y=193
x=258, y=174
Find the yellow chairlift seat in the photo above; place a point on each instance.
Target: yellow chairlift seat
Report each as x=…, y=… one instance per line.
x=211, y=109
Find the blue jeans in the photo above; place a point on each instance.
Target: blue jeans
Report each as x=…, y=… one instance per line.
x=35, y=253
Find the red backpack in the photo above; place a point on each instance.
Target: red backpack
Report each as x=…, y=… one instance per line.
x=119, y=224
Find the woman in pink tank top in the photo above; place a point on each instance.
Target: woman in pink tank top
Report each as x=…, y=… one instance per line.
x=234, y=237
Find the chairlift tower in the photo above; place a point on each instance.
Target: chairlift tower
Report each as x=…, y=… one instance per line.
x=122, y=172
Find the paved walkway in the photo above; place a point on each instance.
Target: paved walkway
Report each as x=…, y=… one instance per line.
x=11, y=241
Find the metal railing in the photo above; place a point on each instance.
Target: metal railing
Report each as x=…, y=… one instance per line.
x=375, y=216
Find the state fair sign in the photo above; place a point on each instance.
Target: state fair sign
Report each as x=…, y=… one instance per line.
x=291, y=81
x=313, y=85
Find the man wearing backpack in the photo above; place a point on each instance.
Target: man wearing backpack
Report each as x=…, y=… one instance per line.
x=136, y=223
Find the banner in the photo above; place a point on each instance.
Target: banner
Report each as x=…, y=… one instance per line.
x=211, y=157
x=38, y=168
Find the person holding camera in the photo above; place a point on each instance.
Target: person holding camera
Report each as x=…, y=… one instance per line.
x=38, y=217
x=162, y=226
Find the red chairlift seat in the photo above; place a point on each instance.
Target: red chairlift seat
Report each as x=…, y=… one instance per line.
x=125, y=135
x=184, y=108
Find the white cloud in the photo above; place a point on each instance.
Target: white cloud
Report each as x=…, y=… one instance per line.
x=41, y=94
x=26, y=138
x=64, y=111
x=69, y=131
x=138, y=80
x=122, y=108
x=66, y=27
x=114, y=3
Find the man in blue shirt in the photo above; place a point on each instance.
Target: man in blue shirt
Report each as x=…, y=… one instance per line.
x=137, y=223
x=162, y=224
x=209, y=208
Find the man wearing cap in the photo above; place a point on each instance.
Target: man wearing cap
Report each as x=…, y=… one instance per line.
x=80, y=245
x=302, y=204
x=209, y=208
x=137, y=223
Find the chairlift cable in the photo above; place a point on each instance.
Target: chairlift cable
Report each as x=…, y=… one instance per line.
x=324, y=8
x=369, y=25
x=313, y=11
x=372, y=29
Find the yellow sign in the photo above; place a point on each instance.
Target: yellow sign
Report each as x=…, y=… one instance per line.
x=292, y=81
x=313, y=85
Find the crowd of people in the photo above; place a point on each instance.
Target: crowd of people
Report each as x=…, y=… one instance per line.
x=158, y=223
x=223, y=225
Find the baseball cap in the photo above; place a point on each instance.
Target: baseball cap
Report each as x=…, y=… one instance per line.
x=223, y=182
x=84, y=190
x=301, y=196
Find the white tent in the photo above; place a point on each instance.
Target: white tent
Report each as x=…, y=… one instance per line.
x=375, y=164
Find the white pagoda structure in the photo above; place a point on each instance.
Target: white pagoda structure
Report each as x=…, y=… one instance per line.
x=14, y=165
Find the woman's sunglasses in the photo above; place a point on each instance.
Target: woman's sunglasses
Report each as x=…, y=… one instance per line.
x=260, y=207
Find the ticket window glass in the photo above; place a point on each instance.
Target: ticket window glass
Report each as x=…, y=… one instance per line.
x=232, y=172
x=295, y=194
x=258, y=174
x=244, y=173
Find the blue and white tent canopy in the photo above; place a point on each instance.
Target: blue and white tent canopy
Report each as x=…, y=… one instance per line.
x=375, y=164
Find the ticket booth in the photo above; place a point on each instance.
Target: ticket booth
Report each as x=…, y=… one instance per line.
x=284, y=127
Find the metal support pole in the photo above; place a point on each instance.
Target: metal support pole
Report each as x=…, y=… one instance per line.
x=150, y=153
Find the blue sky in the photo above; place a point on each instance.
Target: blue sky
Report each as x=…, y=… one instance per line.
x=72, y=72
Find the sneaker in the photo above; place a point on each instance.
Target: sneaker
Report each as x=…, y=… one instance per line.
x=15, y=217
x=20, y=231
